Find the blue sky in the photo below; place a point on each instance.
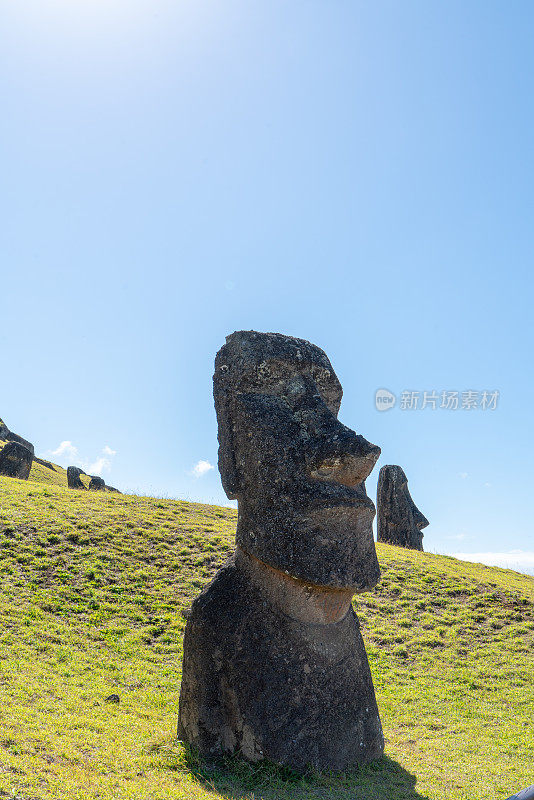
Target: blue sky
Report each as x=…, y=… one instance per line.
x=356, y=174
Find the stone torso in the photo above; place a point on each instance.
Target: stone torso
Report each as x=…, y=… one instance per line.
x=261, y=684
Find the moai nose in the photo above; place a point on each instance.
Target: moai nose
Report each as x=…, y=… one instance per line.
x=419, y=518
x=344, y=457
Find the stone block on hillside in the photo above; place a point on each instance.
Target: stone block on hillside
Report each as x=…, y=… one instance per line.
x=44, y=463
x=73, y=478
x=15, y=461
x=97, y=484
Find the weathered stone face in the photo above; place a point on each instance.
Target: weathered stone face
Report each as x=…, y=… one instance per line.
x=274, y=663
x=399, y=520
x=73, y=478
x=15, y=461
x=296, y=471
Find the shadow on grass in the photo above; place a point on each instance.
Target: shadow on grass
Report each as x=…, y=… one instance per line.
x=237, y=780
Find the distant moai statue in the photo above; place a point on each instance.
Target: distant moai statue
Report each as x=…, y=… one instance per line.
x=73, y=478
x=97, y=484
x=15, y=461
x=274, y=662
x=8, y=436
x=399, y=521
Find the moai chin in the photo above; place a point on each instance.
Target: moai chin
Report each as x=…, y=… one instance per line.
x=399, y=520
x=274, y=663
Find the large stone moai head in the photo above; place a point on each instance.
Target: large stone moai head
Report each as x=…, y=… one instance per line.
x=296, y=471
x=15, y=461
x=399, y=520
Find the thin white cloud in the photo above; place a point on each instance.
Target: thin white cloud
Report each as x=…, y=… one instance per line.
x=520, y=560
x=65, y=450
x=67, y=455
x=463, y=475
x=200, y=468
x=98, y=466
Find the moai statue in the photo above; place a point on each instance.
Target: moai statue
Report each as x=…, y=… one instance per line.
x=8, y=436
x=274, y=662
x=15, y=461
x=97, y=484
x=73, y=478
x=399, y=521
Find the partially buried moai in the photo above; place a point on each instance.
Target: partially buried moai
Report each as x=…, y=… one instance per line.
x=274, y=663
x=73, y=478
x=399, y=521
x=16, y=461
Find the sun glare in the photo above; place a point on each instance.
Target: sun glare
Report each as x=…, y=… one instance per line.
x=80, y=20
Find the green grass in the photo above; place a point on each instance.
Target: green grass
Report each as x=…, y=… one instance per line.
x=55, y=477
x=92, y=590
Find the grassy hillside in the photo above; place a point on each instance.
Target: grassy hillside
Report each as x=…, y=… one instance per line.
x=57, y=476
x=92, y=590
